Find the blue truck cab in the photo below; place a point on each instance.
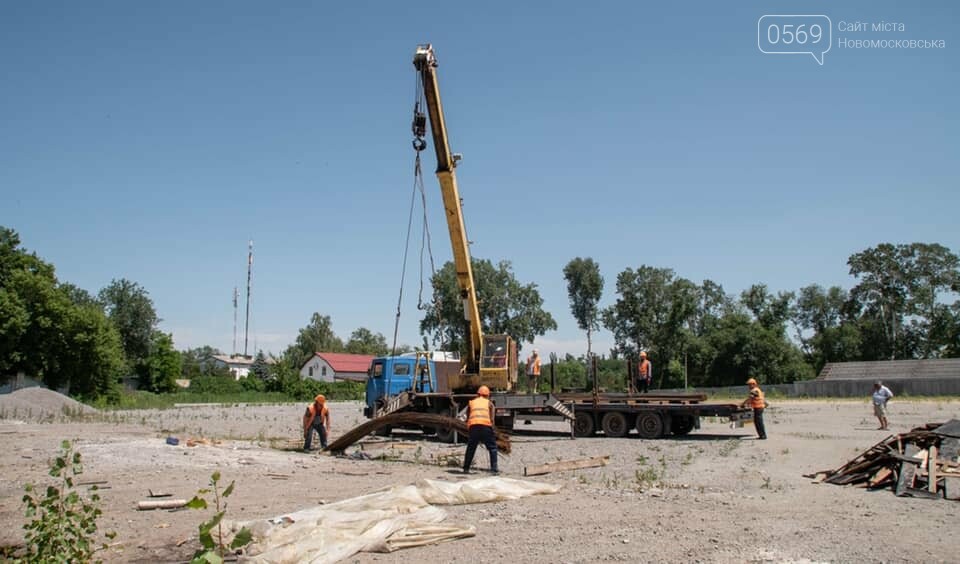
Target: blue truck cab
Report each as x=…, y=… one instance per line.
x=391, y=375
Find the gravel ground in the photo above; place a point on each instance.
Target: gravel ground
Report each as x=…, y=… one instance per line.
x=716, y=495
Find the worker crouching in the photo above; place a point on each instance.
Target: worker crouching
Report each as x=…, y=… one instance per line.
x=480, y=427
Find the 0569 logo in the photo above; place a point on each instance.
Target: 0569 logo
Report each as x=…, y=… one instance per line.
x=795, y=35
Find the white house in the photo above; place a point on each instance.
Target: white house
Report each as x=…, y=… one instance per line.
x=238, y=365
x=328, y=367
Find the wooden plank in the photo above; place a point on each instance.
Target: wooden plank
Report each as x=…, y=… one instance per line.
x=879, y=477
x=565, y=465
x=949, y=450
x=161, y=504
x=907, y=471
x=951, y=488
x=932, y=471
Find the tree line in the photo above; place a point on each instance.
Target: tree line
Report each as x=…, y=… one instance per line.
x=903, y=304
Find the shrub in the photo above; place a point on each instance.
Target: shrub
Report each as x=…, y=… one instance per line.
x=64, y=524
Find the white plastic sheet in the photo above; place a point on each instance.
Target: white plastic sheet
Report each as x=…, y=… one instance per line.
x=383, y=521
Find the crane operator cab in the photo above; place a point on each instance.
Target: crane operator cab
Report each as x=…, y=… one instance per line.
x=498, y=362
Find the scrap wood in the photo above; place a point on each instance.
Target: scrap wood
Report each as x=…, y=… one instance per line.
x=152, y=493
x=564, y=465
x=427, y=420
x=161, y=504
x=910, y=462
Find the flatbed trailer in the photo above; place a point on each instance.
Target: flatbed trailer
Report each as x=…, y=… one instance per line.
x=653, y=415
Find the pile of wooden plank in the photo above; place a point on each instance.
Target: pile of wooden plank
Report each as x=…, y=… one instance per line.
x=921, y=463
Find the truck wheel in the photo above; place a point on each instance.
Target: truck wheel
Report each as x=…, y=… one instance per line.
x=681, y=424
x=650, y=425
x=583, y=424
x=614, y=424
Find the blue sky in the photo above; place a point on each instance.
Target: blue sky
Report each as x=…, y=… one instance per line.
x=150, y=141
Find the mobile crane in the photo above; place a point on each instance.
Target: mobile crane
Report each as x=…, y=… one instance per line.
x=491, y=360
x=420, y=382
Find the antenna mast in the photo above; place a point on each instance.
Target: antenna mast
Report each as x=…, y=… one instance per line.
x=236, y=297
x=246, y=330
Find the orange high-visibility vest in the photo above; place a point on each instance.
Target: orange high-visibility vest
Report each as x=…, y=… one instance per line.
x=533, y=366
x=312, y=410
x=645, y=369
x=756, y=398
x=479, y=412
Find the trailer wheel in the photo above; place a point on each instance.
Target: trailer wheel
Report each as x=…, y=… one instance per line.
x=650, y=425
x=583, y=424
x=445, y=435
x=614, y=424
x=681, y=424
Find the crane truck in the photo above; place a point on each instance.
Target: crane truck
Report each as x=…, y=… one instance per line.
x=422, y=382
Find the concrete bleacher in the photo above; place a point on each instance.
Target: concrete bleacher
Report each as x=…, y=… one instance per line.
x=928, y=377
x=891, y=369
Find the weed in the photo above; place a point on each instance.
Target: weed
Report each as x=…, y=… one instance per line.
x=645, y=477
x=728, y=447
x=785, y=451
x=64, y=523
x=214, y=548
x=766, y=483
x=687, y=460
x=582, y=479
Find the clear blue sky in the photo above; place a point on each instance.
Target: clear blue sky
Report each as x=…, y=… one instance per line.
x=151, y=140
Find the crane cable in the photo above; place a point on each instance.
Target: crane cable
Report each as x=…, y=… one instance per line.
x=419, y=144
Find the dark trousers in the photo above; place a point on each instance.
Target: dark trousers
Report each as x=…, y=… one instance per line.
x=643, y=385
x=478, y=434
x=317, y=426
x=758, y=423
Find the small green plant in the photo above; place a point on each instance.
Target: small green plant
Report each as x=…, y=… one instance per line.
x=213, y=549
x=645, y=477
x=64, y=524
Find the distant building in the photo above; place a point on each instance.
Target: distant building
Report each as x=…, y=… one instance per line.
x=330, y=367
x=238, y=365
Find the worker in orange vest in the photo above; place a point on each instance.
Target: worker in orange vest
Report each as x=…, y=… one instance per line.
x=756, y=401
x=480, y=425
x=533, y=371
x=316, y=418
x=644, y=373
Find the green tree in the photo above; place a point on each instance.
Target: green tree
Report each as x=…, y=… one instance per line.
x=198, y=361
x=824, y=327
x=656, y=312
x=506, y=306
x=584, y=288
x=365, y=341
x=163, y=365
x=318, y=336
x=900, y=289
x=130, y=309
x=260, y=369
x=50, y=330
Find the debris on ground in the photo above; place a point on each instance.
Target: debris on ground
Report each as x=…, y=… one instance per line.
x=921, y=463
x=564, y=465
x=425, y=420
x=384, y=521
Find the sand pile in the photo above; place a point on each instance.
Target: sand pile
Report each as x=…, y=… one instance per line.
x=40, y=403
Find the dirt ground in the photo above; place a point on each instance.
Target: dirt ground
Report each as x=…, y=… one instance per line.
x=716, y=495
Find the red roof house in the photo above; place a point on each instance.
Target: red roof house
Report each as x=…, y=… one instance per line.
x=329, y=367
